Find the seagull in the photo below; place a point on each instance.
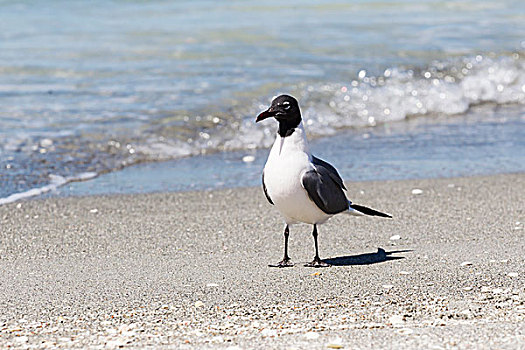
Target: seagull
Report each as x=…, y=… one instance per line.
x=302, y=187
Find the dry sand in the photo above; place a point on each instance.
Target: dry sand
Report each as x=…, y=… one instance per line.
x=190, y=270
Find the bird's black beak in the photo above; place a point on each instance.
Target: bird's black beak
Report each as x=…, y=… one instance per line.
x=266, y=114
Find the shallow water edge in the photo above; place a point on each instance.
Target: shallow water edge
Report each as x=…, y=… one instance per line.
x=484, y=142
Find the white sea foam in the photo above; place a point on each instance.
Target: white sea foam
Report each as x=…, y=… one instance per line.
x=55, y=182
x=442, y=89
x=436, y=90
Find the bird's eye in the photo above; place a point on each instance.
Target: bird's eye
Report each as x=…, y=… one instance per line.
x=286, y=105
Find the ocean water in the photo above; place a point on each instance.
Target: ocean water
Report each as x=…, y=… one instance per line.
x=91, y=88
x=487, y=140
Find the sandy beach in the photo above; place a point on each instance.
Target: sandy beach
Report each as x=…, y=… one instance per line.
x=190, y=270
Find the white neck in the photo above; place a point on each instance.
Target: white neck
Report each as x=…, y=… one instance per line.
x=290, y=145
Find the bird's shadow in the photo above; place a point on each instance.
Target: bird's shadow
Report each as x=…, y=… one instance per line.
x=366, y=259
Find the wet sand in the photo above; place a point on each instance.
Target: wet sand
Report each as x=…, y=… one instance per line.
x=188, y=270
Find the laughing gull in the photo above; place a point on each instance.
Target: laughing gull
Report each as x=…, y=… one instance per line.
x=302, y=187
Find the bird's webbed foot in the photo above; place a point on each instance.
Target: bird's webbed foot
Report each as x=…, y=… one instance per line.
x=317, y=263
x=286, y=262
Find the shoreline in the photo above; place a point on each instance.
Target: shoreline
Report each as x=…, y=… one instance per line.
x=482, y=142
x=189, y=269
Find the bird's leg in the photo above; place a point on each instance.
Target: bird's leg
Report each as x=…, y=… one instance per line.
x=286, y=262
x=317, y=262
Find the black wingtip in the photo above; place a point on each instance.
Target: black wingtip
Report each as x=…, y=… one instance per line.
x=369, y=211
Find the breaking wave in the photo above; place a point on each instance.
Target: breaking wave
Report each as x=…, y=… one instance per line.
x=441, y=88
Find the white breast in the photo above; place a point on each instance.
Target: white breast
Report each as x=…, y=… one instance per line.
x=289, y=159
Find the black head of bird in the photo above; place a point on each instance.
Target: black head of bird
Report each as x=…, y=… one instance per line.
x=285, y=109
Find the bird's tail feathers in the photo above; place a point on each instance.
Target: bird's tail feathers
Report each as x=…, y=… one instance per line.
x=359, y=210
x=352, y=211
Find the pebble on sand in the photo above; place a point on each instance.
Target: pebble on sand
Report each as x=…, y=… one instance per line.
x=22, y=339
x=248, y=159
x=269, y=332
x=395, y=238
x=417, y=191
x=116, y=343
x=466, y=263
x=396, y=321
x=336, y=343
x=439, y=322
x=405, y=331
x=311, y=335
x=199, y=303
x=512, y=274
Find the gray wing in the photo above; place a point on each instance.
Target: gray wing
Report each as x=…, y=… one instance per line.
x=266, y=191
x=333, y=171
x=325, y=189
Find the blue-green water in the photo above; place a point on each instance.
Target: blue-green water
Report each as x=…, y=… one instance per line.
x=489, y=140
x=92, y=87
